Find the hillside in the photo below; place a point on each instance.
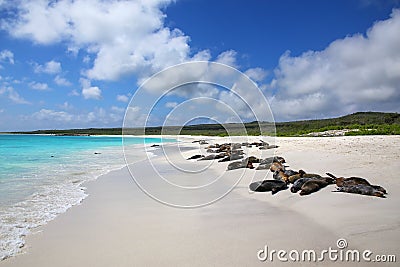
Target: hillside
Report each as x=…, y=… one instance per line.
x=365, y=122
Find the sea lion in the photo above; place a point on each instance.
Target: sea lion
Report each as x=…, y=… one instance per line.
x=209, y=157
x=297, y=185
x=272, y=159
x=302, y=174
x=268, y=147
x=290, y=172
x=268, y=185
x=236, y=146
x=312, y=185
x=276, y=166
x=252, y=159
x=231, y=157
x=240, y=164
x=196, y=157
x=263, y=166
x=361, y=189
x=341, y=181
x=281, y=176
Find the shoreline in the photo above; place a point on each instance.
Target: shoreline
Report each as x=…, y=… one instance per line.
x=331, y=214
x=23, y=217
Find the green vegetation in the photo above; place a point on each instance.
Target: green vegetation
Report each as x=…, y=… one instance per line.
x=364, y=123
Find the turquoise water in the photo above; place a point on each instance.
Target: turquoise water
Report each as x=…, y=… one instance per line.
x=42, y=176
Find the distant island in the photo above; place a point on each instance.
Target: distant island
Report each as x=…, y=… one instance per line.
x=360, y=123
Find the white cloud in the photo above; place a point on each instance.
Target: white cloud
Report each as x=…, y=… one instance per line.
x=99, y=117
x=7, y=56
x=256, y=74
x=171, y=104
x=93, y=92
x=74, y=92
x=122, y=98
x=51, y=115
x=62, y=81
x=13, y=95
x=228, y=58
x=122, y=37
x=352, y=74
x=117, y=109
x=39, y=86
x=66, y=106
x=51, y=67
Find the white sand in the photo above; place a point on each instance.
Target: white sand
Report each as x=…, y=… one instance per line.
x=118, y=225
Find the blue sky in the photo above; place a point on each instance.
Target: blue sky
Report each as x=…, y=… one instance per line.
x=76, y=64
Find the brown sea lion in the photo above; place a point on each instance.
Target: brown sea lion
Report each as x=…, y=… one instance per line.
x=276, y=166
x=253, y=159
x=313, y=185
x=268, y=185
x=302, y=174
x=341, y=181
x=361, y=189
x=280, y=175
x=300, y=182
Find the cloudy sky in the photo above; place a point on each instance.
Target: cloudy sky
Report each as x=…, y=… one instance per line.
x=77, y=64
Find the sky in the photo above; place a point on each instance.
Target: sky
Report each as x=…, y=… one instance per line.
x=78, y=64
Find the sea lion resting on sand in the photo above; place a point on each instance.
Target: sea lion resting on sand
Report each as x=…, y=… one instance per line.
x=272, y=160
x=277, y=166
x=313, y=185
x=361, y=189
x=231, y=157
x=263, y=166
x=300, y=182
x=196, y=157
x=341, y=181
x=302, y=174
x=283, y=175
x=240, y=164
x=268, y=185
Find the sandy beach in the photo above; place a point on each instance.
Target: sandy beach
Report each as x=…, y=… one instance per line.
x=119, y=225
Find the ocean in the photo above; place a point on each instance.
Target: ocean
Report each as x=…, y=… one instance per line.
x=42, y=176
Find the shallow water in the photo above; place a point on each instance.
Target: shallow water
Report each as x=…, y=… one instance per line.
x=42, y=176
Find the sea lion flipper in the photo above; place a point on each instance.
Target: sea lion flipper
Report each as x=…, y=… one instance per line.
x=331, y=175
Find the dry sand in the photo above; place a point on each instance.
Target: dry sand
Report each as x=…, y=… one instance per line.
x=119, y=225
